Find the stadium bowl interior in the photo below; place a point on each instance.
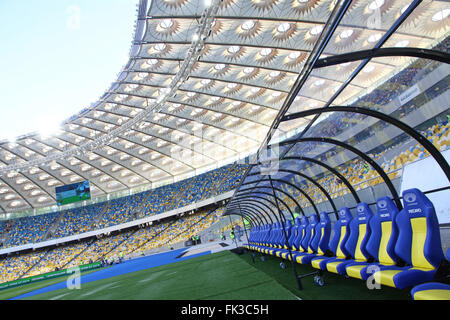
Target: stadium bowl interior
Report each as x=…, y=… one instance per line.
x=310, y=137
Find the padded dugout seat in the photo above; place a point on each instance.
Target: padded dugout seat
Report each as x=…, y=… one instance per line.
x=260, y=237
x=274, y=239
x=418, y=243
x=280, y=239
x=294, y=232
x=381, y=243
x=297, y=244
x=433, y=290
x=264, y=235
x=319, y=237
x=337, y=243
x=307, y=239
x=355, y=245
x=270, y=239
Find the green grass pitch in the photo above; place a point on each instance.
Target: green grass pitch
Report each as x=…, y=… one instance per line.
x=219, y=276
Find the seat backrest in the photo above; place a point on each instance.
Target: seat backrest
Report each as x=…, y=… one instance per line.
x=279, y=239
x=341, y=232
x=260, y=233
x=384, y=232
x=359, y=233
x=294, y=232
x=296, y=245
x=321, y=234
x=276, y=234
x=285, y=234
x=268, y=233
x=273, y=233
x=325, y=230
x=419, y=239
x=312, y=245
x=304, y=241
x=254, y=233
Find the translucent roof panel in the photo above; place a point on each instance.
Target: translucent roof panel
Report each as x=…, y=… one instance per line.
x=355, y=117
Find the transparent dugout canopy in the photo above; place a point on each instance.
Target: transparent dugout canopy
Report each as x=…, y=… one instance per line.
x=374, y=100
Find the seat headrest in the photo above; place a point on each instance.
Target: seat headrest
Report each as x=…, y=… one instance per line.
x=313, y=220
x=363, y=212
x=304, y=221
x=298, y=221
x=324, y=218
x=345, y=215
x=414, y=202
x=386, y=209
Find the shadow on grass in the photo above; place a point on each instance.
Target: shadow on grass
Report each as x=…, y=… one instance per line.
x=336, y=287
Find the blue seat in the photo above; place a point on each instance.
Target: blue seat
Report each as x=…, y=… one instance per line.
x=299, y=244
x=263, y=236
x=273, y=239
x=255, y=233
x=418, y=243
x=294, y=231
x=360, y=232
x=269, y=238
x=307, y=239
x=277, y=240
x=282, y=239
x=433, y=290
x=319, y=238
x=381, y=243
x=337, y=243
x=299, y=240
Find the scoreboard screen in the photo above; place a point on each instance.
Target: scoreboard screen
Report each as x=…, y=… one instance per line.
x=73, y=192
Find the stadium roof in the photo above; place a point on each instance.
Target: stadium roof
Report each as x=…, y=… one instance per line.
x=205, y=81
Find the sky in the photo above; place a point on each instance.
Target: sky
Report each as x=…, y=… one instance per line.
x=57, y=57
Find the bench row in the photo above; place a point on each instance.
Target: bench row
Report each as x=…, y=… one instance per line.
x=395, y=248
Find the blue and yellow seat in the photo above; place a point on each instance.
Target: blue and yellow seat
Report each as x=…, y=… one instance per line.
x=337, y=243
x=434, y=290
x=283, y=235
x=431, y=291
x=272, y=242
x=360, y=232
x=300, y=242
x=262, y=238
x=381, y=243
x=418, y=243
x=307, y=239
x=293, y=234
x=299, y=238
x=319, y=238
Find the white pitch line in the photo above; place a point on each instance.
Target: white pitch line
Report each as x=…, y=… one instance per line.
x=152, y=276
x=60, y=296
x=98, y=289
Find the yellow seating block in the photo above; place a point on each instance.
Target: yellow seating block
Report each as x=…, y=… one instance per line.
x=386, y=277
x=435, y=294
